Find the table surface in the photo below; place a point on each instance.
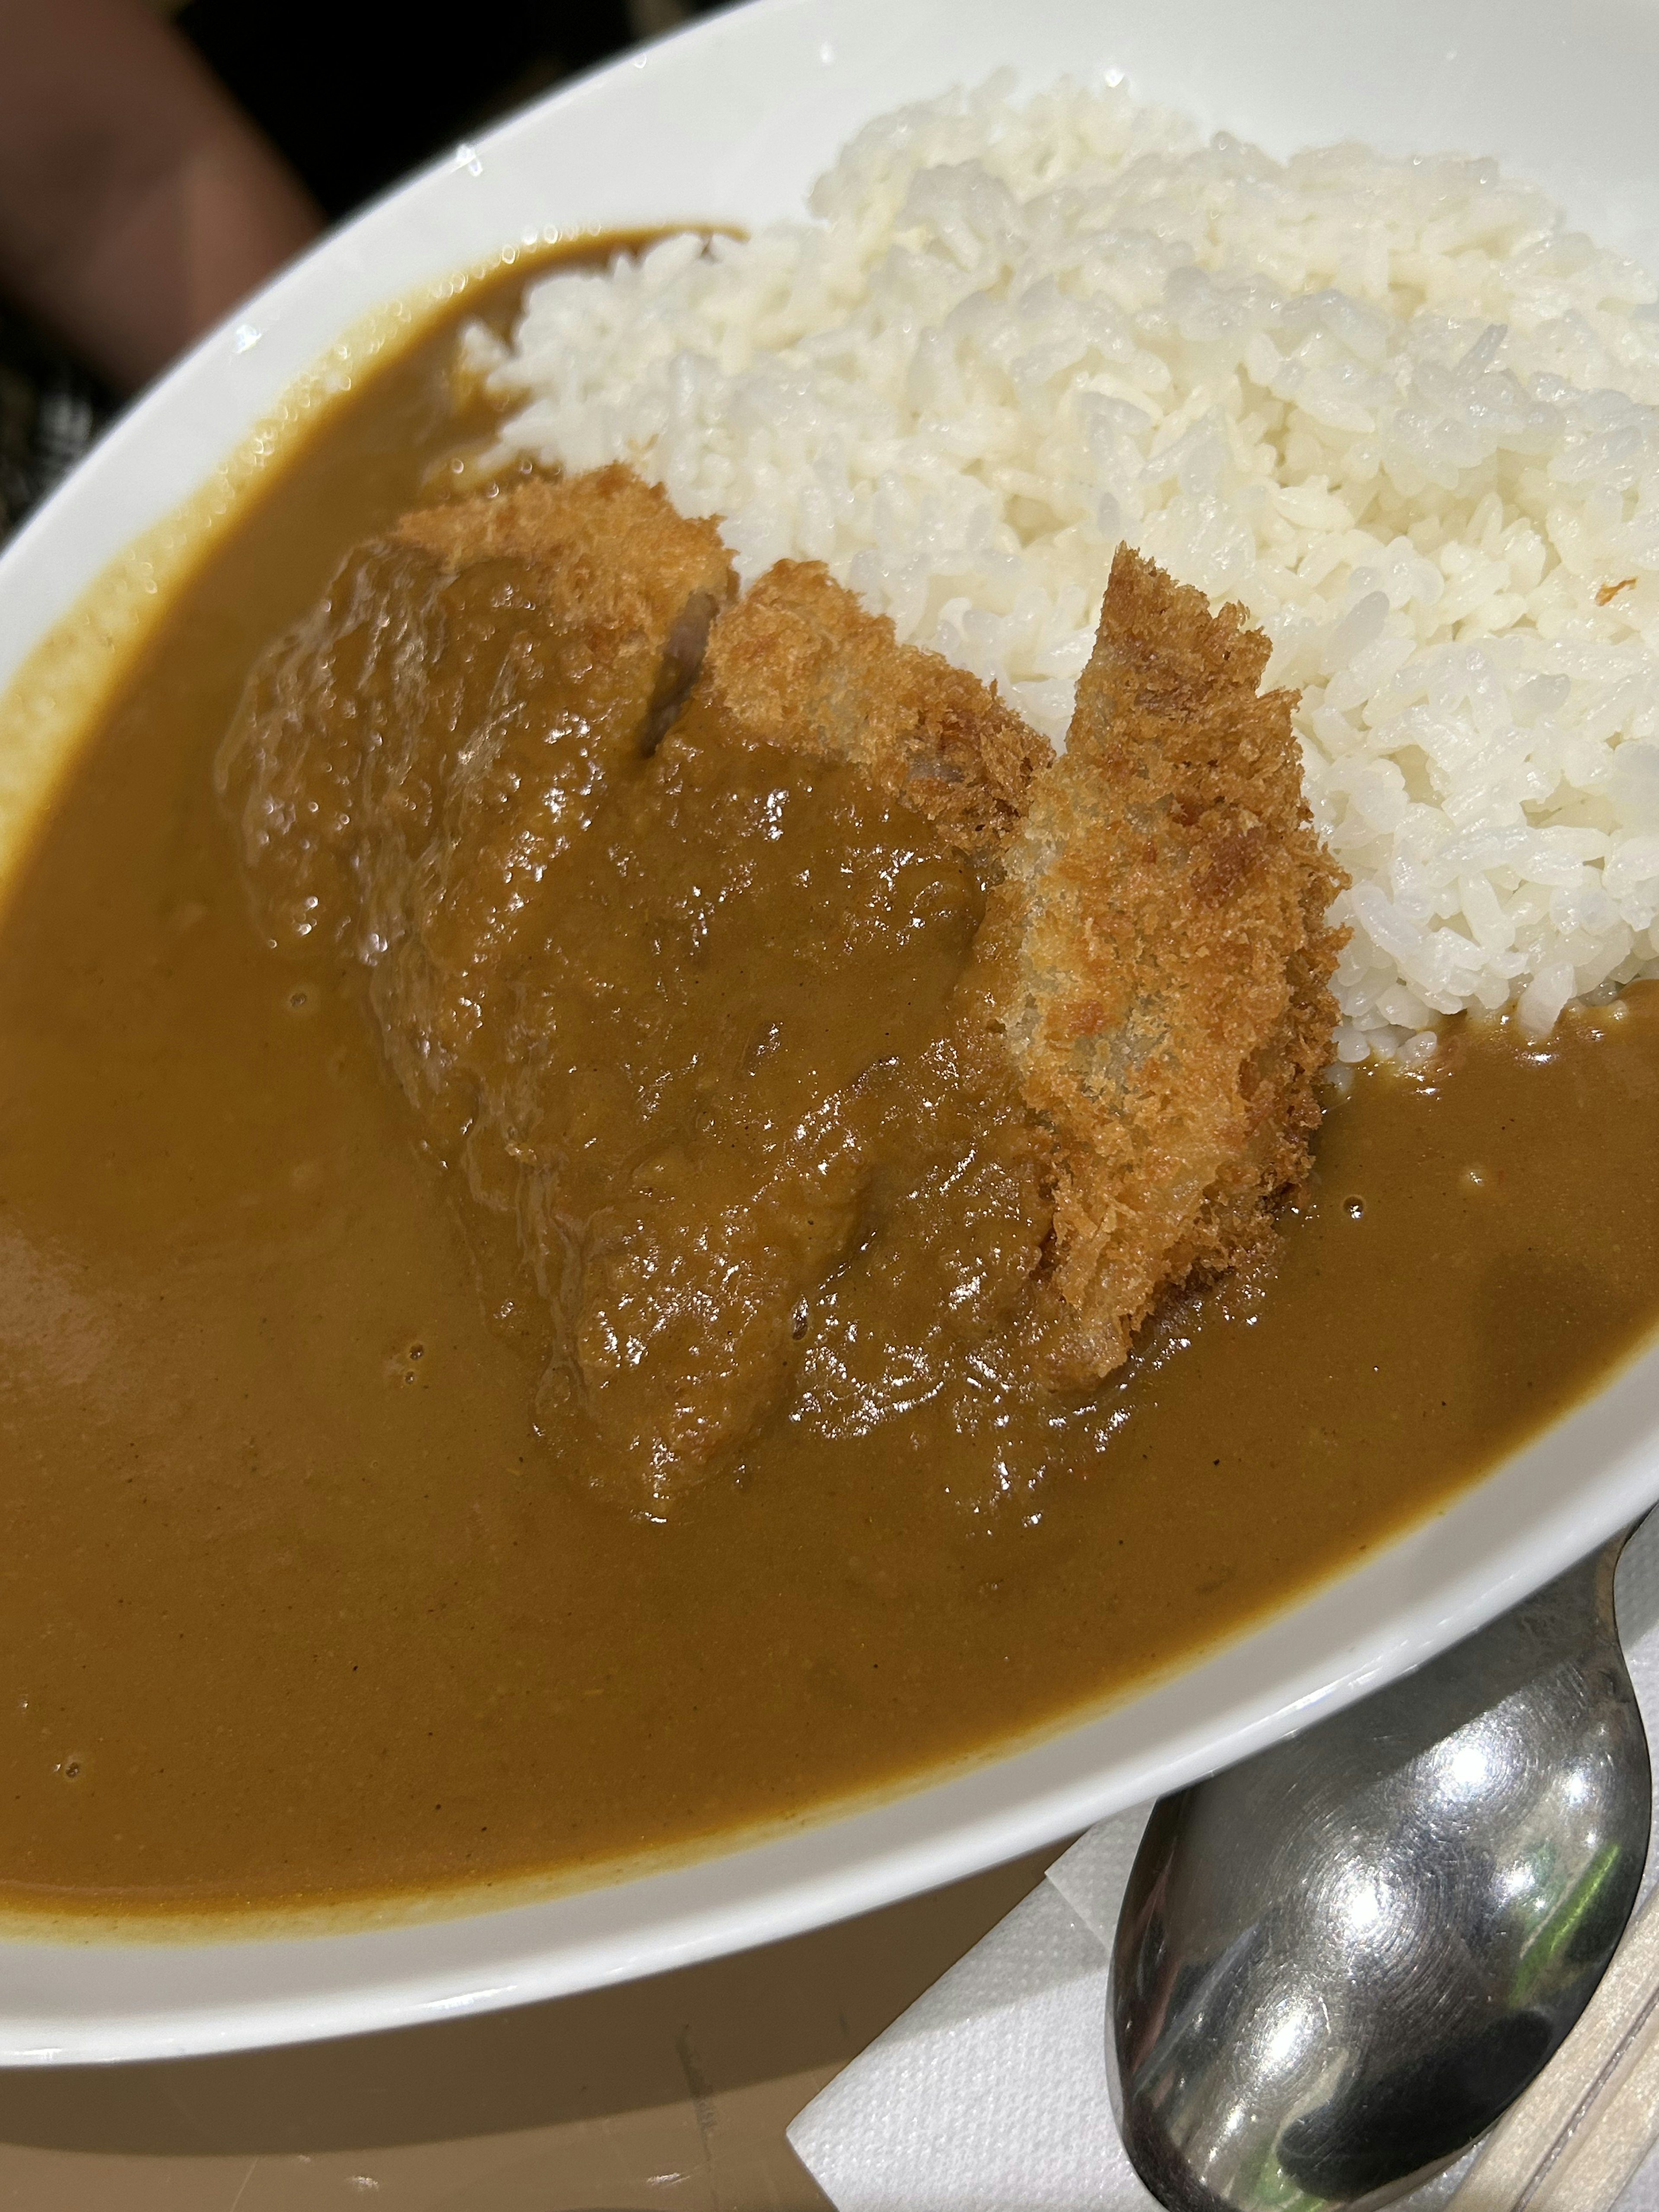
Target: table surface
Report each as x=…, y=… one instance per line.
x=673, y=2092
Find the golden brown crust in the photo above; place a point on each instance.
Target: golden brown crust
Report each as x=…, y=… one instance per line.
x=619, y=555
x=797, y=662
x=1167, y=1000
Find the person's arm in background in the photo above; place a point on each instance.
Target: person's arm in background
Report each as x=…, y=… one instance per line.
x=137, y=204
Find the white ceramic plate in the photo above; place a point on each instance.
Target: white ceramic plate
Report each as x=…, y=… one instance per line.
x=730, y=121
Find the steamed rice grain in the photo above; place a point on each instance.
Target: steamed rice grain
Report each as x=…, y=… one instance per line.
x=1396, y=408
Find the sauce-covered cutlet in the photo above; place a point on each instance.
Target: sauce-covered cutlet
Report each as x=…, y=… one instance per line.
x=1155, y=951
x=830, y=1045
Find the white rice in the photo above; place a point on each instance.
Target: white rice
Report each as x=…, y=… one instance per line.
x=1396, y=408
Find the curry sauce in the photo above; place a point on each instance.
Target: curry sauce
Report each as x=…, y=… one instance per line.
x=301, y=1599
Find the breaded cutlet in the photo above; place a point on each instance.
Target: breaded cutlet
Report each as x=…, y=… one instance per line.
x=1168, y=1002
x=618, y=558
x=1155, y=950
x=390, y=766
x=1153, y=957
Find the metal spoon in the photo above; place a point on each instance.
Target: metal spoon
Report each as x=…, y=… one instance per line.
x=1338, y=1963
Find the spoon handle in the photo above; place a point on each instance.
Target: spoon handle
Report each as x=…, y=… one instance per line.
x=1572, y=2143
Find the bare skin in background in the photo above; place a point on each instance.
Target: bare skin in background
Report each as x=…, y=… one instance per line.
x=137, y=203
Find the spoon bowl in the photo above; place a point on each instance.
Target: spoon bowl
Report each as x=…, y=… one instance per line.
x=1339, y=1961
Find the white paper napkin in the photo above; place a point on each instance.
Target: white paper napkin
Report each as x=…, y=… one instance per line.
x=990, y=2095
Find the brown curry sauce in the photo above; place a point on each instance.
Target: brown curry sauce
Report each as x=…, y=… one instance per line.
x=295, y=1605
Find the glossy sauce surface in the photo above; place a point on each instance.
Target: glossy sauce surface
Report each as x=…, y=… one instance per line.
x=295, y=1602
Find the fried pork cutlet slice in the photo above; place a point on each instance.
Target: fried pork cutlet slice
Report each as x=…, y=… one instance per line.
x=1154, y=952
x=411, y=764
x=1167, y=996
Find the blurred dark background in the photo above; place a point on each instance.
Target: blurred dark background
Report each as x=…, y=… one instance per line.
x=354, y=94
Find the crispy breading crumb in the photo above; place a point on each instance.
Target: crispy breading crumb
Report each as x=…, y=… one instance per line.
x=1170, y=1006
x=797, y=662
